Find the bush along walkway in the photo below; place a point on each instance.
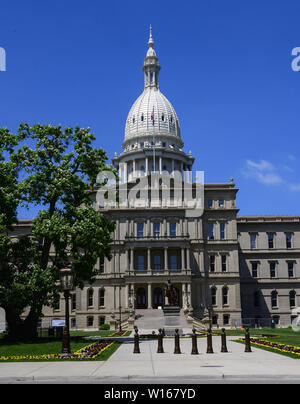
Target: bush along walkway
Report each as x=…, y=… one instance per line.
x=289, y=350
x=89, y=352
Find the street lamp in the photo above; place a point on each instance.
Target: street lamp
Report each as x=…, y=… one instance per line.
x=66, y=281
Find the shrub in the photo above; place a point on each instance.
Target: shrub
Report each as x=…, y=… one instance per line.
x=104, y=327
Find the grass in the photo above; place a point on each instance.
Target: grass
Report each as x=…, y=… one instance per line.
x=285, y=336
x=50, y=345
x=282, y=335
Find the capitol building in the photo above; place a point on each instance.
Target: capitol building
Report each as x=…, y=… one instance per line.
x=228, y=269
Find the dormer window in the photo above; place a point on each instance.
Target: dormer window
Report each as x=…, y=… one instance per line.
x=163, y=117
x=171, y=119
x=142, y=117
x=133, y=119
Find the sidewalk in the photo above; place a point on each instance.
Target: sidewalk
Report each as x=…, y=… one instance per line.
x=148, y=366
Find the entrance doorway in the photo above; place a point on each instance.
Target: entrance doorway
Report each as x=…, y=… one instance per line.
x=141, y=298
x=157, y=298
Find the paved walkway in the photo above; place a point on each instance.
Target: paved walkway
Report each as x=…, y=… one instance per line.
x=148, y=366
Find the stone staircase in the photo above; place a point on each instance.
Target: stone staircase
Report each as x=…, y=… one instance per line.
x=153, y=319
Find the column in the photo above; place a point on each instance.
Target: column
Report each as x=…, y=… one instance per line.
x=166, y=258
x=146, y=166
x=148, y=228
x=160, y=165
x=188, y=259
x=133, y=169
x=149, y=296
x=126, y=296
x=126, y=260
x=189, y=293
x=182, y=259
x=184, y=305
x=148, y=259
x=181, y=169
x=131, y=260
x=173, y=168
x=125, y=172
x=165, y=229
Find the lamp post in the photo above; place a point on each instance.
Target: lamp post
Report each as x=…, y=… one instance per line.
x=66, y=280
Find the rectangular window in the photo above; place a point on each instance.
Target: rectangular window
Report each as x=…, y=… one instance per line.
x=101, y=265
x=225, y=319
x=157, y=262
x=222, y=231
x=156, y=230
x=140, y=230
x=172, y=229
x=211, y=231
x=290, y=269
x=256, y=298
x=141, y=263
x=212, y=263
x=90, y=321
x=101, y=297
x=73, y=301
x=271, y=240
x=272, y=269
x=173, y=262
x=288, y=238
x=101, y=321
x=254, y=266
x=224, y=262
x=252, y=240
x=221, y=203
x=210, y=203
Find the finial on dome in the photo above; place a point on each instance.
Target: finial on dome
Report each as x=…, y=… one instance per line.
x=150, y=42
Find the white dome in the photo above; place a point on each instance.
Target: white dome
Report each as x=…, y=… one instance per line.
x=152, y=103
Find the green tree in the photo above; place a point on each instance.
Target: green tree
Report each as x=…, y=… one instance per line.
x=59, y=174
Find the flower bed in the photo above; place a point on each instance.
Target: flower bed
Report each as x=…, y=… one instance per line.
x=283, y=348
x=89, y=352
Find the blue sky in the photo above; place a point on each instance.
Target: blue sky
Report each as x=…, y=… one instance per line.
x=226, y=68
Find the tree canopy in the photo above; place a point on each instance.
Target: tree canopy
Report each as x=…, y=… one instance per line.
x=55, y=168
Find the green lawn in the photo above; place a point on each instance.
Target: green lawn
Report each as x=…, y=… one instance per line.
x=51, y=345
x=282, y=335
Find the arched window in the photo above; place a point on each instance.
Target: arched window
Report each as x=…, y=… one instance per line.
x=274, y=298
x=213, y=292
x=142, y=117
x=292, y=298
x=90, y=297
x=162, y=116
x=225, y=295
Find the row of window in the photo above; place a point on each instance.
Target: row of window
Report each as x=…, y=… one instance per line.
x=274, y=299
x=90, y=321
x=90, y=299
x=213, y=292
x=273, y=269
x=212, y=231
x=220, y=203
x=157, y=262
x=212, y=263
x=156, y=230
x=162, y=116
x=271, y=240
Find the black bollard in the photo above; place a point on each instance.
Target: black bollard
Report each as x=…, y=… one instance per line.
x=209, y=342
x=177, y=346
x=136, y=341
x=194, y=343
x=247, y=341
x=160, y=337
x=223, y=340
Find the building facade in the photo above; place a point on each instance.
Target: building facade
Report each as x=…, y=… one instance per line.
x=233, y=270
